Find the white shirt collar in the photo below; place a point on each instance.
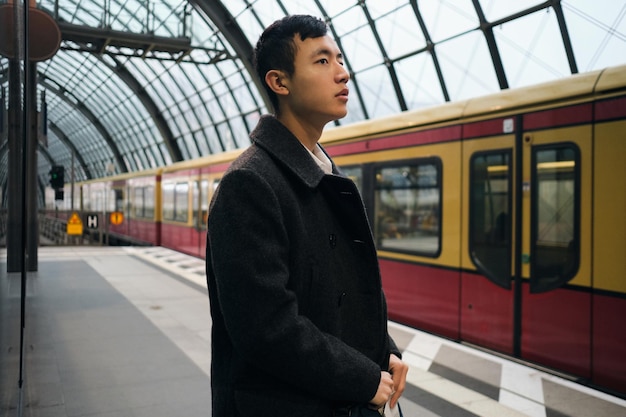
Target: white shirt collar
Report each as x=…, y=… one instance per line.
x=321, y=159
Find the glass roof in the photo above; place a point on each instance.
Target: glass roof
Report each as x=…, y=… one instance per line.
x=139, y=84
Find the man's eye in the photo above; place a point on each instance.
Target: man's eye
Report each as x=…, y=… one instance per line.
x=323, y=61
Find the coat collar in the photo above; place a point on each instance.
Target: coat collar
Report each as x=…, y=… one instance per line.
x=274, y=137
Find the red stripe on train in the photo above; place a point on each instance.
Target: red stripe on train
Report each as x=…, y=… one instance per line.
x=444, y=134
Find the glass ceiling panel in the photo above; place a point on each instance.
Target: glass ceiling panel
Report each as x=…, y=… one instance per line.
x=378, y=9
x=448, y=18
x=355, y=110
x=241, y=91
x=598, y=32
x=425, y=93
x=211, y=138
x=333, y=8
x=377, y=92
x=169, y=86
x=206, y=103
x=183, y=148
x=56, y=147
x=268, y=9
x=531, y=49
x=240, y=129
x=497, y=9
x=249, y=21
x=467, y=66
x=299, y=7
x=225, y=134
x=96, y=89
x=357, y=40
x=400, y=32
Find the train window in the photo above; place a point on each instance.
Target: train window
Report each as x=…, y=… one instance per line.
x=407, y=204
x=204, y=203
x=168, y=201
x=148, y=202
x=77, y=202
x=490, y=215
x=181, y=202
x=138, y=206
x=97, y=200
x=119, y=199
x=554, y=216
x=175, y=201
x=143, y=202
x=355, y=173
x=195, y=196
x=110, y=200
x=86, y=198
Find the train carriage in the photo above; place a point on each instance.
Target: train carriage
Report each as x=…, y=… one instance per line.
x=187, y=189
x=142, y=207
x=133, y=199
x=529, y=199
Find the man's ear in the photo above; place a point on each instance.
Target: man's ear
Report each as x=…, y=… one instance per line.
x=275, y=80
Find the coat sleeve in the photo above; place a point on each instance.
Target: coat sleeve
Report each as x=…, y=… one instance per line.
x=250, y=260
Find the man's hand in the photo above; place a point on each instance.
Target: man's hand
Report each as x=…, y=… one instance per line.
x=398, y=370
x=385, y=390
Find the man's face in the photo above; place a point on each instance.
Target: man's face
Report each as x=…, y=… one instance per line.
x=317, y=89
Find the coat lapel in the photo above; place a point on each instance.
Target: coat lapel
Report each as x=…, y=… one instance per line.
x=283, y=146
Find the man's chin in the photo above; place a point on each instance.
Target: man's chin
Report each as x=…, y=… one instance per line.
x=340, y=116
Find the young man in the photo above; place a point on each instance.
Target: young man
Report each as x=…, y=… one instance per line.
x=299, y=315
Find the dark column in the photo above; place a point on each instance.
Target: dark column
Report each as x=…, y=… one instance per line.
x=22, y=180
x=38, y=42
x=32, y=230
x=14, y=184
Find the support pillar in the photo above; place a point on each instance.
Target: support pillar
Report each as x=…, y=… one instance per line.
x=15, y=208
x=30, y=147
x=22, y=180
x=39, y=41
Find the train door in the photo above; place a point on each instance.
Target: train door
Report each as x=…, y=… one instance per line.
x=196, y=214
x=201, y=209
x=525, y=287
x=555, y=305
x=487, y=278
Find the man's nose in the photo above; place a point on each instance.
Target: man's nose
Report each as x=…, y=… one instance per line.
x=343, y=74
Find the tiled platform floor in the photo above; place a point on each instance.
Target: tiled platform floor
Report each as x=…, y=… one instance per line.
x=114, y=332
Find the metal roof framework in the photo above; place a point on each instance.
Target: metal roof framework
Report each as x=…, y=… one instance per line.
x=141, y=84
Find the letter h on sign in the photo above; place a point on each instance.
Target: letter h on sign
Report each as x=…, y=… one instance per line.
x=92, y=221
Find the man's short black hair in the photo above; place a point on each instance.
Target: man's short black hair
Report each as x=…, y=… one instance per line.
x=276, y=49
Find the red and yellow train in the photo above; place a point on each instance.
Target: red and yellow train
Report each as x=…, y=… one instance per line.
x=500, y=221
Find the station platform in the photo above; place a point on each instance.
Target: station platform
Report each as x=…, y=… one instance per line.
x=125, y=332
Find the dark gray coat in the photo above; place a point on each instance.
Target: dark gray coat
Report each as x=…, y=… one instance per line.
x=299, y=316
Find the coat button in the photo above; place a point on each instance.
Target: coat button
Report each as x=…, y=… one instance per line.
x=341, y=297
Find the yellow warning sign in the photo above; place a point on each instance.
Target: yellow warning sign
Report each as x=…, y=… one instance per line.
x=74, y=225
x=116, y=218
